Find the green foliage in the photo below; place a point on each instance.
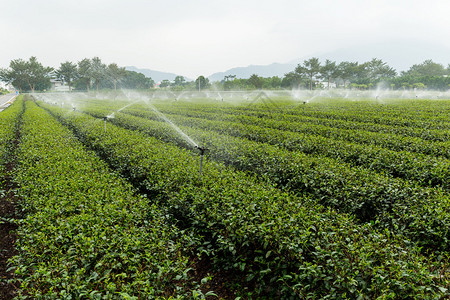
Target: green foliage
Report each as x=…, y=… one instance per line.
x=67, y=72
x=134, y=80
x=115, y=73
x=255, y=81
x=86, y=233
x=179, y=81
x=84, y=72
x=9, y=120
x=202, y=83
x=367, y=195
x=97, y=70
x=165, y=83
x=310, y=69
x=28, y=75
x=283, y=245
x=427, y=68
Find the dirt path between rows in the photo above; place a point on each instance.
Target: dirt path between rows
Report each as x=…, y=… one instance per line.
x=8, y=212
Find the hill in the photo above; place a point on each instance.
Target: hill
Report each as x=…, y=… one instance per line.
x=274, y=69
x=157, y=76
x=400, y=55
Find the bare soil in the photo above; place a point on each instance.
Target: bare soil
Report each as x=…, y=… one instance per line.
x=8, y=213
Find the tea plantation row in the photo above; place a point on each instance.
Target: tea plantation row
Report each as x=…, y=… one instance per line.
x=285, y=245
x=85, y=233
x=428, y=170
x=421, y=214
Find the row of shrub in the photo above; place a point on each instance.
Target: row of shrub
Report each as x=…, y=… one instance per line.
x=410, y=113
x=285, y=246
x=295, y=114
x=9, y=120
x=427, y=170
x=390, y=140
x=87, y=234
x=393, y=203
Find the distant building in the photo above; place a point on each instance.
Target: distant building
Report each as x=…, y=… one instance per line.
x=324, y=84
x=58, y=85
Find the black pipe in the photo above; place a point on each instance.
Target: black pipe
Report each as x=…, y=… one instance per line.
x=202, y=152
x=201, y=149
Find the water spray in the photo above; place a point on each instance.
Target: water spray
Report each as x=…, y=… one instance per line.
x=106, y=118
x=202, y=153
x=177, y=129
x=119, y=110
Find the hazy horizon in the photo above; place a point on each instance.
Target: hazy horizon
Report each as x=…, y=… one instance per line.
x=203, y=37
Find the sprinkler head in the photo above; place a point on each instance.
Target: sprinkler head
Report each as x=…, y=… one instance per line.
x=201, y=149
x=105, y=118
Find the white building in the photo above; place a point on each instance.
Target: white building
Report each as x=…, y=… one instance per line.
x=58, y=85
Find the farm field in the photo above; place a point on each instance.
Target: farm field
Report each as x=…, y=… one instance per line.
x=140, y=196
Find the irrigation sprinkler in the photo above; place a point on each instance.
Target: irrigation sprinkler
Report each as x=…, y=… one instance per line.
x=202, y=153
x=104, y=119
x=304, y=106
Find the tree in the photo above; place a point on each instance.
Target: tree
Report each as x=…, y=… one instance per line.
x=255, y=81
x=232, y=77
x=165, y=83
x=16, y=74
x=359, y=73
x=115, y=73
x=427, y=68
x=67, y=72
x=292, y=80
x=347, y=71
x=328, y=71
x=98, y=70
x=23, y=74
x=84, y=72
x=134, y=80
x=179, y=81
x=229, y=82
x=378, y=70
x=37, y=73
x=201, y=82
x=273, y=82
x=310, y=68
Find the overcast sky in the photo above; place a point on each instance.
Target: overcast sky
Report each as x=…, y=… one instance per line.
x=200, y=37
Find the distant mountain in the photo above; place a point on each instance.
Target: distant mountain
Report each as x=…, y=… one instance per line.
x=275, y=69
x=157, y=76
x=400, y=55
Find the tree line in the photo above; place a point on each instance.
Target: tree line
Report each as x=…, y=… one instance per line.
x=312, y=74
x=31, y=75
x=90, y=74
